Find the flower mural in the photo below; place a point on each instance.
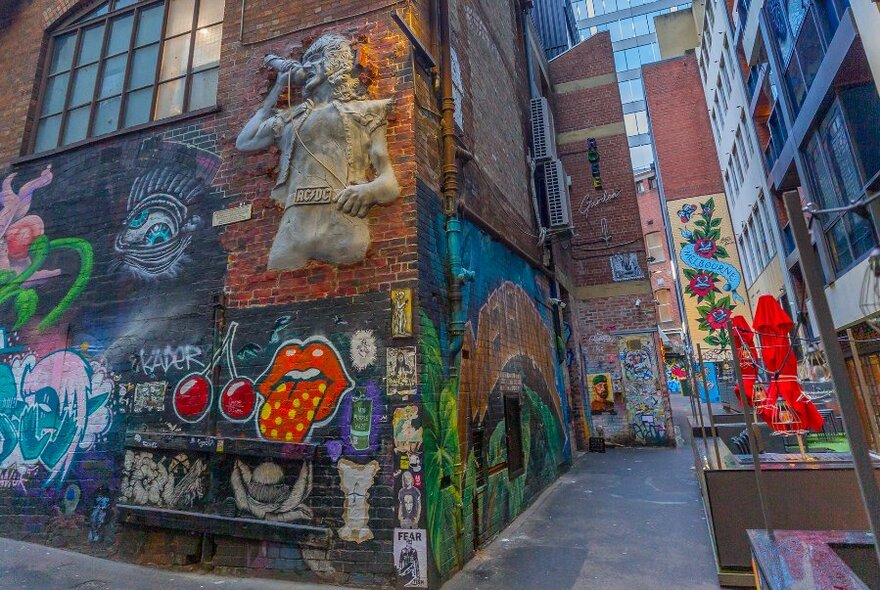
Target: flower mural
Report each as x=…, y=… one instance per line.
x=710, y=276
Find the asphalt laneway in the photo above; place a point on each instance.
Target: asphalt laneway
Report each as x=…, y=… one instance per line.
x=629, y=519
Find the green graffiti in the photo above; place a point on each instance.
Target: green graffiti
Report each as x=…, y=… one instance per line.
x=13, y=285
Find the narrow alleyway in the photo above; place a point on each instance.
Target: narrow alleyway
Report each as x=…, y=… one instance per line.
x=629, y=519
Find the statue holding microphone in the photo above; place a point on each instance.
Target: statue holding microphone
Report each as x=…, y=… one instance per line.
x=334, y=156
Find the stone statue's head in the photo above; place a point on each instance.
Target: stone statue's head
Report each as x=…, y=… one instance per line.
x=331, y=60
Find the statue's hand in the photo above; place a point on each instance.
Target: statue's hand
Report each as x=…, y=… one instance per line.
x=356, y=200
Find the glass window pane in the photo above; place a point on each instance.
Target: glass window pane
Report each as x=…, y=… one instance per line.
x=632, y=58
x=625, y=93
x=175, y=57
x=204, y=90
x=646, y=54
x=210, y=12
x=114, y=76
x=77, y=126
x=809, y=51
x=56, y=92
x=107, y=116
x=640, y=23
x=207, y=50
x=99, y=11
x=83, y=85
x=47, y=133
x=619, y=61
x=180, y=17
x=638, y=89
x=150, y=25
x=124, y=4
x=120, y=35
x=642, y=121
x=861, y=234
x=143, y=66
x=91, y=44
x=137, y=107
x=170, y=99
x=62, y=53
x=629, y=121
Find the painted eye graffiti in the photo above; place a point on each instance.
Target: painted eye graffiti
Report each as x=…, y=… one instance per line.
x=158, y=227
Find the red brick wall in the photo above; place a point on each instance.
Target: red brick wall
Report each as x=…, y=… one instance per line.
x=593, y=107
x=685, y=149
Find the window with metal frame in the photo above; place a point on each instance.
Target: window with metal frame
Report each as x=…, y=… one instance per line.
x=655, y=241
x=125, y=63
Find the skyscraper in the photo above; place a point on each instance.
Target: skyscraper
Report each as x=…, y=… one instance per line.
x=631, y=24
x=556, y=25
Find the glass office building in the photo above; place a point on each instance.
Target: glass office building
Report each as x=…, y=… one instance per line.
x=631, y=24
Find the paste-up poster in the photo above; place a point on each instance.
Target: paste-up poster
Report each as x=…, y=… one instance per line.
x=411, y=557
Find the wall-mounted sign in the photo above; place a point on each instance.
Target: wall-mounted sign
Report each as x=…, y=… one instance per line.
x=233, y=215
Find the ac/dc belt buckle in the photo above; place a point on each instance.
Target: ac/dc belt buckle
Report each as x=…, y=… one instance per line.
x=320, y=195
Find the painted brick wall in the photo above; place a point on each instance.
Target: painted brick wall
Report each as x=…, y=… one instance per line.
x=685, y=150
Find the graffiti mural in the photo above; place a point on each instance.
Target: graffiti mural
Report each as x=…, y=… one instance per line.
x=645, y=402
x=356, y=481
x=51, y=409
x=709, y=269
x=359, y=419
x=263, y=492
x=151, y=480
x=26, y=251
x=601, y=393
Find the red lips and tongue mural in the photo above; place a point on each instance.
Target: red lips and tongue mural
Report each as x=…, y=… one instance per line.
x=301, y=389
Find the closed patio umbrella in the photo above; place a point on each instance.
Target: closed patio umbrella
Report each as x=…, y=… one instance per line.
x=774, y=327
x=744, y=341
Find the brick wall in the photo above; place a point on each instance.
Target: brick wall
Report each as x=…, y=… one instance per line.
x=685, y=150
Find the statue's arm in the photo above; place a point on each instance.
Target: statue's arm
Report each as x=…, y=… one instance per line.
x=357, y=200
x=259, y=134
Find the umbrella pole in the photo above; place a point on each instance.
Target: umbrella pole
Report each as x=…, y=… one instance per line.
x=709, y=407
x=800, y=439
x=696, y=389
x=750, y=426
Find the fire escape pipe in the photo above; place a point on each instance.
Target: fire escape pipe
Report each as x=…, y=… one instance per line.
x=458, y=274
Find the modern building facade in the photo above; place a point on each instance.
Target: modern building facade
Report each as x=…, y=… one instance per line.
x=634, y=39
x=557, y=29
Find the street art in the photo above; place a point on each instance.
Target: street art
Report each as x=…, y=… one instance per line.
x=646, y=409
x=355, y=482
x=711, y=372
x=51, y=409
x=160, y=220
x=411, y=557
x=98, y=516
x=264, y=493
x=170, y=358
x=409, y=502
x=149, y=397
x=625, y=267
x=601, y=393
x=302, y=388
x=70, y=499
x=359, y=420
x=15, y=477
x=363, y=349
x=407, y=437
x=710, y=271
x=172, y=482
x=25, y=251
x=401, y=372
x=401, y=313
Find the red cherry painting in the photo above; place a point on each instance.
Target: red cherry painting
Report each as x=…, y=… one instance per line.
x=238, y=399
x=192, y=396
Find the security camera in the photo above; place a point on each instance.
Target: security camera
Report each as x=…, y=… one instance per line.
x=555, y=302
x=638, y=302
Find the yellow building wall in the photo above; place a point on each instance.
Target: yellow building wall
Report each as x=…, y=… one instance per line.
x=769, y=282
x=708, y=267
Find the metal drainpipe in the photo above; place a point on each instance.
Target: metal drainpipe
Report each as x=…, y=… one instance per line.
x=458, y=275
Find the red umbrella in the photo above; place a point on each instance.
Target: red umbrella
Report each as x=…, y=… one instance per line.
x=774, y=327
x=744, y=341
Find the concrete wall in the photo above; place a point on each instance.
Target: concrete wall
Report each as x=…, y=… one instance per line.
x=676, y=33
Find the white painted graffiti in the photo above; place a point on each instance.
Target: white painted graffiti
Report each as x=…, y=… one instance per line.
x=170, y=358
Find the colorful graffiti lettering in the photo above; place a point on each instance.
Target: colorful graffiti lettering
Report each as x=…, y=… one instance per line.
x=170, y=358
x=24, y=250
x=50, y=409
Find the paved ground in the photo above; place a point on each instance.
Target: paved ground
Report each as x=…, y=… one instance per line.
x=24, y=566
x=629, y=519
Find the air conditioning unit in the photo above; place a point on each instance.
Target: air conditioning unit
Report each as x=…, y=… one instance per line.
x=543, y=130
x=556, y=189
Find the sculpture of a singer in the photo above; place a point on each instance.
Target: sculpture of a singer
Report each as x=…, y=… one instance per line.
x=334, y=156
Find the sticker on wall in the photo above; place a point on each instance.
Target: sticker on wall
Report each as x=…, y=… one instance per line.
x=363, y=349
x=401, y=371
x=411, y=557
x=409, y=502
x=601, y=393
x=264, y=493
x=625, y=267
x=149, y=397
x=355, y=482
x=401, y=313
x=407, y=437
x=359, y=420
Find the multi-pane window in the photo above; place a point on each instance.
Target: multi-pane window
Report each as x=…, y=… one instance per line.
x=654, y=242
x=744, y=259
x=725, y=74
x=664, y=305
x=737, y=165
x=770, y=222
x=636, y=123
x=721, y=92
x=742, y=148
x=126, y=63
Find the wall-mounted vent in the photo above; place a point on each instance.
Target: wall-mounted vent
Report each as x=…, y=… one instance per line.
x=556, y=186
x=543, y=130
